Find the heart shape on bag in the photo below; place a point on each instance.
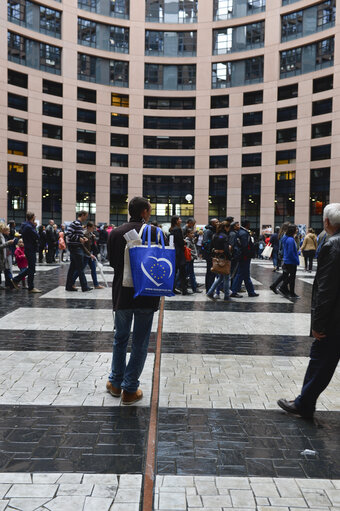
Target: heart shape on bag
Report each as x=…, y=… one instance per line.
x=157, y=270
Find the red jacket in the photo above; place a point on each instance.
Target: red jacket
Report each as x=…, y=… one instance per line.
x=20, y=257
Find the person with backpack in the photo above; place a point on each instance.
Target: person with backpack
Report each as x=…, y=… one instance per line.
x=247, y=253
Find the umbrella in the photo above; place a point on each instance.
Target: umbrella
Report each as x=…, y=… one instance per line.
x=100, y=268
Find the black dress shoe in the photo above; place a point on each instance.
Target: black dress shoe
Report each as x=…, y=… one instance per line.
x=71, y=289
x=87, y=289
x=235, y=295
x=293, y=295
x=253, y=295
x=273, y=288
x=290, y=407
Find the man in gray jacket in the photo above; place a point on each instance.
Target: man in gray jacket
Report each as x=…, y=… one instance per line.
x=325, y=351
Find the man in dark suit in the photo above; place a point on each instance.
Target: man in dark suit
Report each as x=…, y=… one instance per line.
x=124, y=379
x=325, y=351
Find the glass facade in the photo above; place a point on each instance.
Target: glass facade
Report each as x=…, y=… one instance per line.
x=284, y=197
x=51, y=195
x=155, y=103
x=17, y=124
x=237, y=73
x=169, y=142
x=168, y=162
x=35, y=17
x=170, y=44
x=319, y=196
x=169, y=123
x=306, y=59
x=251, y=199
x=114, y=8
x=17, y=192
x=171, y=11
x=28, y=52
x=167, y=196
x=104, y=71
x=118, y=198
x=86, y=193
x=308, y=21
x=168, y=77
x=226, y=9
x=218, y=197
x=242, y=38
x=103, y=36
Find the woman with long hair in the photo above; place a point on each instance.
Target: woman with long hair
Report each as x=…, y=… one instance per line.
x=221, y=248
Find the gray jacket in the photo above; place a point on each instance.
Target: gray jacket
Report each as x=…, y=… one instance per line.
x=5, y=254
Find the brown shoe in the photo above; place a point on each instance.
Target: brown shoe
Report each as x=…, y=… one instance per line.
x=15, y=284
x=129, y=398
x=114, y=391
x=34, y=290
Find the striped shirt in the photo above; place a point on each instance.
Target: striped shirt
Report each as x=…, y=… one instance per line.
x=74, y=232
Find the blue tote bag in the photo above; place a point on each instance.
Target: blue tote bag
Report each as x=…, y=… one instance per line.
x=153, y=267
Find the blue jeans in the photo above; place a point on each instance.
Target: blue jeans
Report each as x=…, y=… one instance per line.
x=219, y=280
x=275, y=254
x=243, y=274
x=122, y=375
x=191, y=274
x=92, y=265
x=77, y=264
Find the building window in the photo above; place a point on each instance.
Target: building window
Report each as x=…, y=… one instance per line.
x=103, y=36
x=170, y=44
x=17, y=124
x=121, y=100
x=52, y=109
x=104, y=71
x=320, y=152
x=16, y=101
x=86, y=136
x=167, y=196
x=241, y=38
x=227, y=9
x=119, y=140
x=284, y=197
x=252, y=118
x=319, y=196
x=219, y=101
x=322, y=84
x=218, y=141
x=286, y=135
x=84, y=115
x=17, y=147
x=251, y=160
x=175, y=11
x=17, y=79
x=237, y=72
x=35, y=17
x=217, y=197
x=17, y=192
x=254, y=97
x=118, y=198
x=119, y=120
x=323, y=129
x=28, y=52
x=51, y=195
x=291, y=25
x=324, y=106
x=50, y=152
x=53, y=88
x=86, y=157
x=114, y=8
x=251, y=139
x=251, y=199
x=52, y=131
x=169, y=142
x=88, y=95
x=287, y=114
x=308, y=21
x=119, y=160
x=168, y=162
x=285, y=157
x=287, y=92
x=306, y=59
x=86, y=193
x=170, y=77
x=156, y=103
x=169, y=123
x=219, y=121
x=219, y=161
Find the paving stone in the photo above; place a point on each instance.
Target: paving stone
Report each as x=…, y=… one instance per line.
x=32, y=490
x=62, y=503
x=28, y=504
x=172, y=501
x=97, y=504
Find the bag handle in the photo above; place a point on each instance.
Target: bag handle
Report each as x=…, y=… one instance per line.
x=160, y=236
x=146, y=231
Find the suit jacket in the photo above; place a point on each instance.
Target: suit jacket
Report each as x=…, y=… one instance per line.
x=326, y=289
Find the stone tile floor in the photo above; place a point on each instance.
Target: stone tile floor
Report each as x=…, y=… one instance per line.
x=222, y=443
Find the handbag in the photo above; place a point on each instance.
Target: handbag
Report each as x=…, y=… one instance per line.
x=221, y=265
x=187, y=253
x=153, y=267
x=127, y=276
x=267, y=251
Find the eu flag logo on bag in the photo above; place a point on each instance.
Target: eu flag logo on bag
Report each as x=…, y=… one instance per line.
x=152, y=266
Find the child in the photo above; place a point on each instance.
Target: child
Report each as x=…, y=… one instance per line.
x=21, y=259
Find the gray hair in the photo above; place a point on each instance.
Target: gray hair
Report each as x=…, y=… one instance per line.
x=332, y=212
